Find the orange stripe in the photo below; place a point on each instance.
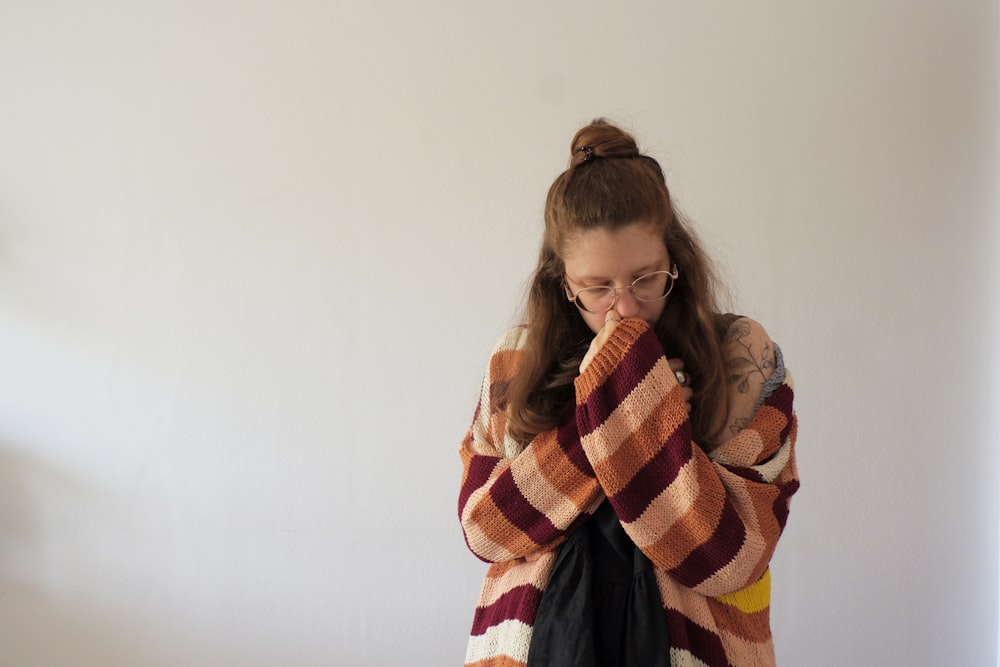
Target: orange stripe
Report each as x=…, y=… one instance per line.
x=753, y=628
x=498, y=661
x=561, y=473
x=498, y=529
x=691, y=530
x=536, y=487
x=503, y=366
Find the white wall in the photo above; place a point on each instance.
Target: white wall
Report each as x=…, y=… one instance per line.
x=253, y=257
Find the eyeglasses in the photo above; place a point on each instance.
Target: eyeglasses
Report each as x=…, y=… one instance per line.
x=649, y=288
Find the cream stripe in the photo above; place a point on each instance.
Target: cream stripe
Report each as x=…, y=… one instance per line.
x=674, y=502
x=536, y=574
x=511, y=638
x=683, y=658
x=739, y=452
x=480, y=543
x=773, y=468
x=742, y=450
x=737, y=573
x=533, y=485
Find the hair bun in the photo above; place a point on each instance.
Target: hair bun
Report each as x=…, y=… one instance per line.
x=601, y=139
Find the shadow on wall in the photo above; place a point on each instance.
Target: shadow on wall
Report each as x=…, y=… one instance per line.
x=38, y=625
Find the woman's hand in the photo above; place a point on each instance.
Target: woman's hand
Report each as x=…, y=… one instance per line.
x=611, y=320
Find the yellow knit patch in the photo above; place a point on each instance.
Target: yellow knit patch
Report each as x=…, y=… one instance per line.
x=753, y=598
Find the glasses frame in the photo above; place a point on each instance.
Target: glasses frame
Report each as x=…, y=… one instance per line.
x=573, y=297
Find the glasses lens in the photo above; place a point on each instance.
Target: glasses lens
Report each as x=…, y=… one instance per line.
x=652, y=287
x=596, y=299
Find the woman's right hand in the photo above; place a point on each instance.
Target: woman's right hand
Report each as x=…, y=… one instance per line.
x=611, y=320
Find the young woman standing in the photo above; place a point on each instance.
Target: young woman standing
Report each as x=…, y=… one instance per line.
x=630, y=463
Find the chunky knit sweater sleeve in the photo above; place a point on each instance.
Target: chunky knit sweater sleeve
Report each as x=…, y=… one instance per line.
x=710, y=521
x=518, y=501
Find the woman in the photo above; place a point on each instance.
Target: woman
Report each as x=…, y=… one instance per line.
x=630, y=463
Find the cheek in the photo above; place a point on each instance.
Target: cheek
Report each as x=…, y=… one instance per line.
x=653, y=311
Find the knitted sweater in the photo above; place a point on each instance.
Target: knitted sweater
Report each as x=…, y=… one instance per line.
x=708, y=522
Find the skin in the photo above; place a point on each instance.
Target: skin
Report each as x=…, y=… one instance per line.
x=600, y=257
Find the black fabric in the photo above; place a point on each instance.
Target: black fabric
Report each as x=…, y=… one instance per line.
x=601, y=606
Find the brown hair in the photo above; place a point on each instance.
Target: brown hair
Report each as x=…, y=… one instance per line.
x=609, y=184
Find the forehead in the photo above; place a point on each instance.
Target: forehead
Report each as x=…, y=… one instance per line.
x=600, y=253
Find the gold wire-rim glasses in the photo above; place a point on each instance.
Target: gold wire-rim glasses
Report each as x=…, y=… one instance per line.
x=634, y=286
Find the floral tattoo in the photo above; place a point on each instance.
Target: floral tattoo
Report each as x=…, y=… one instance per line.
x=744, y=366
x=747, y=364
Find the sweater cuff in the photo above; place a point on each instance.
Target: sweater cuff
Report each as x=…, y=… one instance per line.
x=609, y=356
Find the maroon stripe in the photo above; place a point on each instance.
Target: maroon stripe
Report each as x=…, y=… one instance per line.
x=687, y=635
x=719, y=550
x=519, y=603
x=748, y=473
x=480, y=469
x=630, y=371
x=781, y=399
x=780, y=507
x=520, y=512
x=569, y=441
x=658, y=473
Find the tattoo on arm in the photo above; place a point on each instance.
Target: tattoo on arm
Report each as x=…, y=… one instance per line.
x=745, y=364
x=749, y=363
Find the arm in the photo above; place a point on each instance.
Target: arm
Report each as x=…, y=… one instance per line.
x=517, y=502
x=710, y=522
x=751, y=361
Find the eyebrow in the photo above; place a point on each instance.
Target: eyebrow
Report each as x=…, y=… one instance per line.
x=638, y=273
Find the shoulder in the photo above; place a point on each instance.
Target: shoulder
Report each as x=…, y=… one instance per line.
x=743, y=330
x=752, y=368
x=748, y=351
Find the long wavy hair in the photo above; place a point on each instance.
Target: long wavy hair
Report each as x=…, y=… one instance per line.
x=609, y=184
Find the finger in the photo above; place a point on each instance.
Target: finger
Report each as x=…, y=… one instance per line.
x=611, y=320
x=676, y=364
x=687, y=393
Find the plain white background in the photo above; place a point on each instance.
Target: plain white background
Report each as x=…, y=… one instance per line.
x=253, y=257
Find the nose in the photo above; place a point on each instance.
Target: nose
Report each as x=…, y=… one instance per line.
x=626, y=304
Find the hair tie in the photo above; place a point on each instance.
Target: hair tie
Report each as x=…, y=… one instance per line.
x=588, y=152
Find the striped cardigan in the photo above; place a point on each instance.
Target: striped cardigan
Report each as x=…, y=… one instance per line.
x=708, y=522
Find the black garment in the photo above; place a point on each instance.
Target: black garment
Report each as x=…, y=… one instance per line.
x=601, y=606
